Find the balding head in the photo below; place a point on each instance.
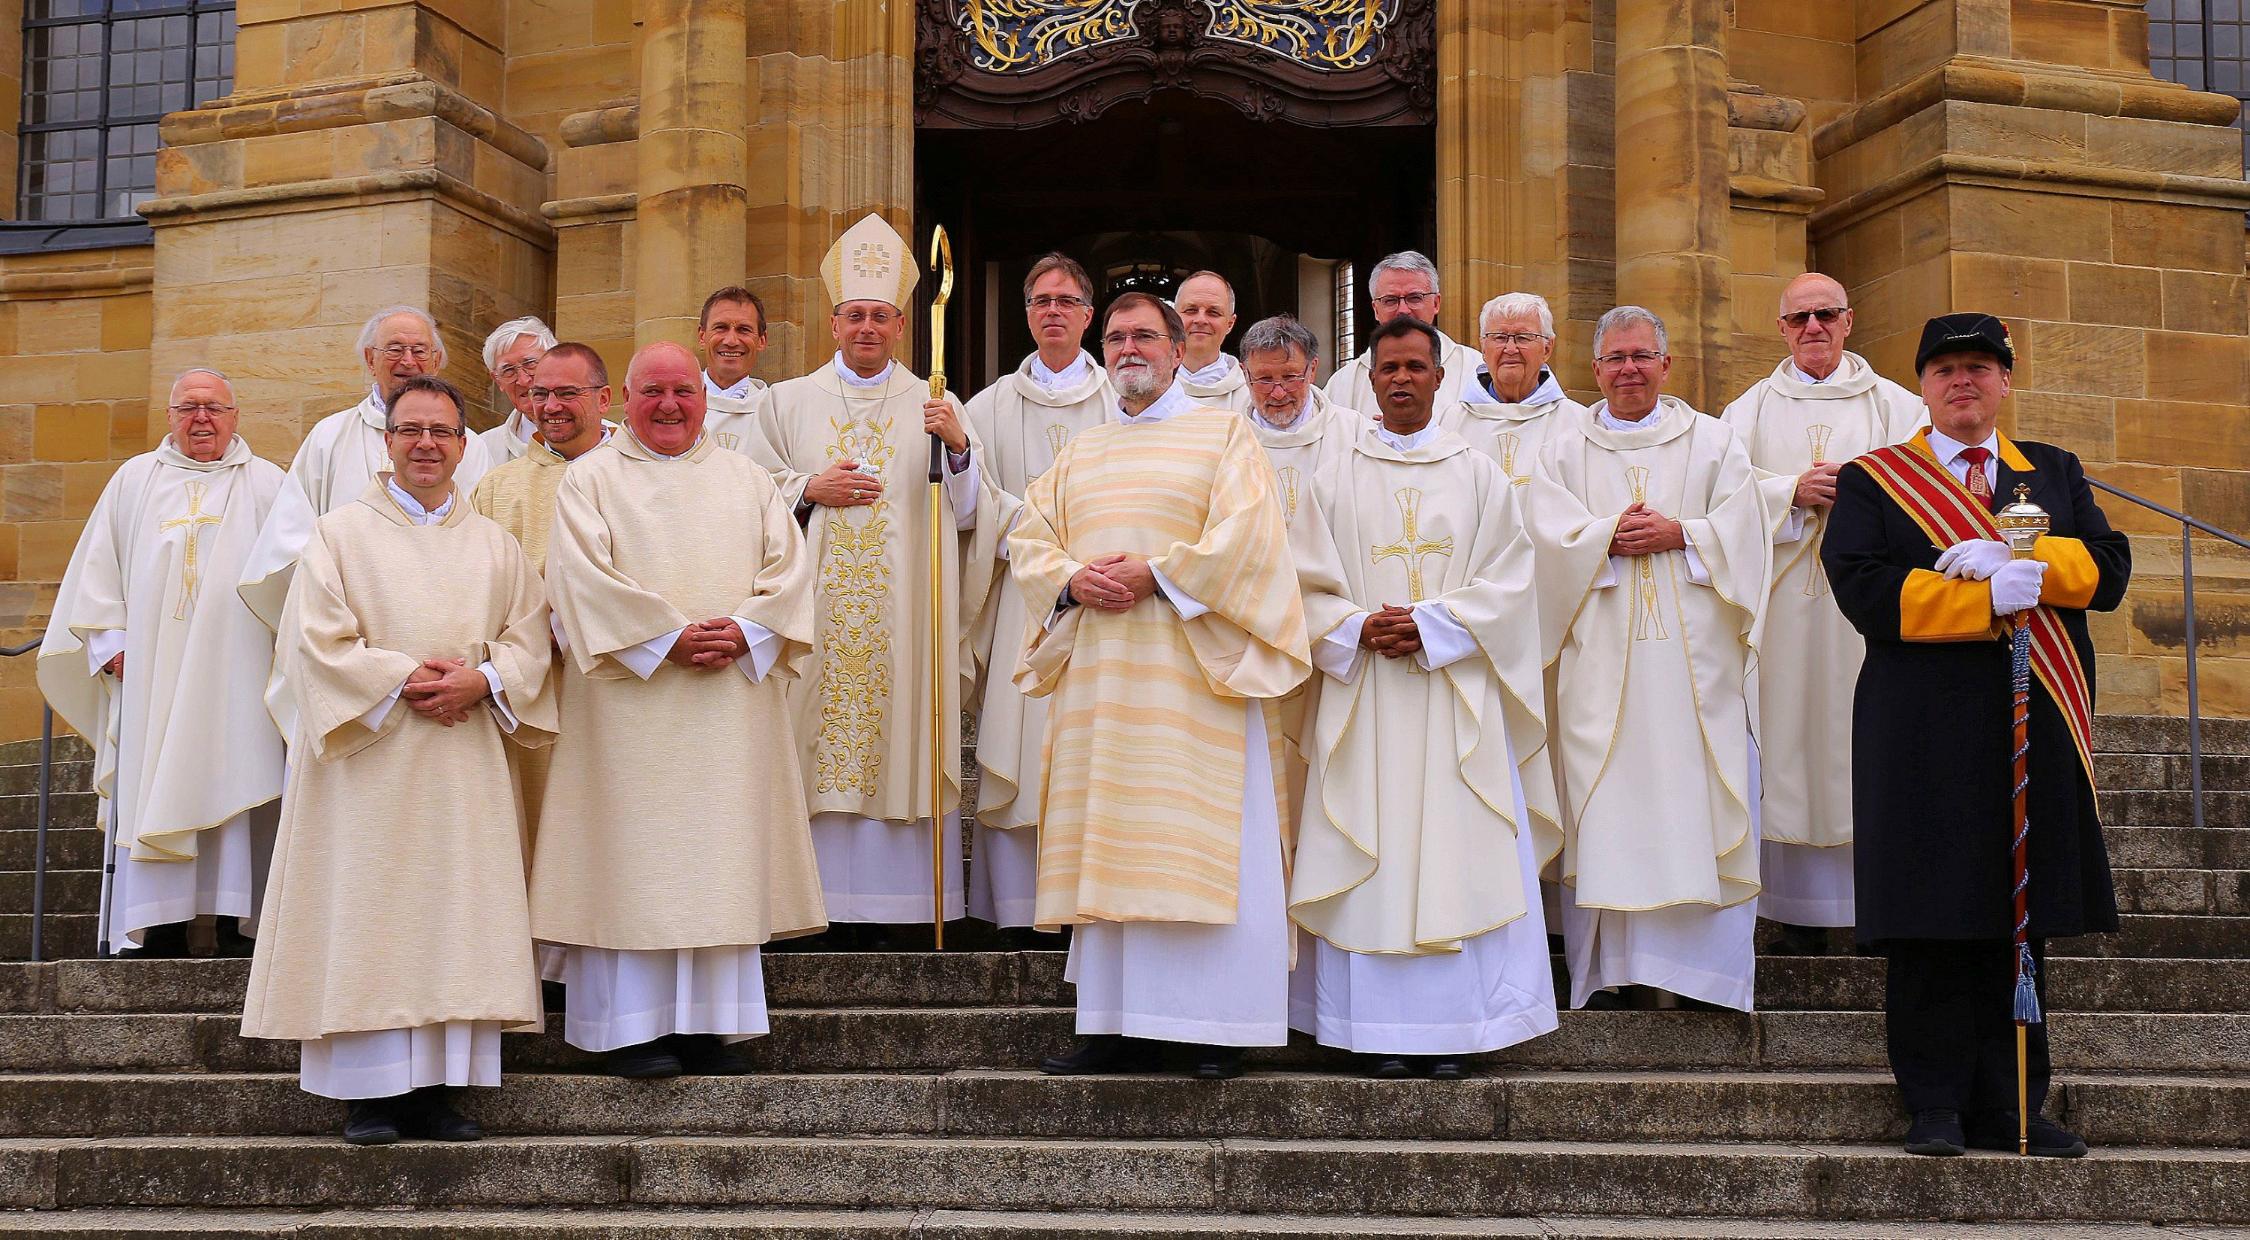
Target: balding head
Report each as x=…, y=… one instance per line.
x=664, y=400
x=1815, y=318
x=201, y=414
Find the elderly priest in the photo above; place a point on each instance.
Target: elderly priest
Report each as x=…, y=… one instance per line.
x=511, y=353
x=1403, y=284
x=1417, y=865
x=1913, y=553
x=1162, y=837
x=152, y=657
x=397, y=939
x=683, y=596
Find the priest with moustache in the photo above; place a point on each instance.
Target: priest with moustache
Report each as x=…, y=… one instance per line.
x=682, y=596
x=1418, y=853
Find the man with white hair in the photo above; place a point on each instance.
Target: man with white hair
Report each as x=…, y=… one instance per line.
x=1209, y=375
x=152, y=657
x=1822, y=406
x=511, y=353
x=1507, y=412
x=1652, y=554
x=1404, y=283
x=345, y=451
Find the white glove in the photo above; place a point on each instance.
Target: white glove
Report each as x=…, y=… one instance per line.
x=2015, y=586
x=1976, y=559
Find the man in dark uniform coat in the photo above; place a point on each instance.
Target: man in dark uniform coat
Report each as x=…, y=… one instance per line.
x=1932, y=751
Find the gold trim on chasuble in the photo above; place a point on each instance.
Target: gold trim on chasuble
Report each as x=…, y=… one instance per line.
x=1288, y=477
x=1816, y=437
x=193, y=522
x=728, y=440
x=1411, y=546
x=1058, y=438
x=1510, y=444
x=1644, y=569
x=855, y=636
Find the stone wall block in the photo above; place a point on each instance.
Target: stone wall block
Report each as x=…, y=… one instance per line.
x=2085, y=359
x=2127, y=296
x=2178, y=433
x=2206, y=301
x=2159, y=234
x=2199, y=367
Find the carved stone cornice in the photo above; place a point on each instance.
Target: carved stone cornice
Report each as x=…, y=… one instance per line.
x=356, y=101
x=401, y=186
x=103, y=281
x=2036, y=176
x=1976, y=79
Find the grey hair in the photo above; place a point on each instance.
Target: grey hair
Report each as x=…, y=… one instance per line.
x=1279, y=334
x=1413, y=261
x=373, y=331
x=181, y=378
x=507, y=333
x=1624, y=316
x=1516, y=306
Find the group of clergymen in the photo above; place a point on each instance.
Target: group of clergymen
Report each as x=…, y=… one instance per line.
x=1304, y=707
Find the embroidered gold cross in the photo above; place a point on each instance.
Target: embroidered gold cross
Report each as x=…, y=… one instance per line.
x=871, y=261
x=1508, y=444
x=1058, y=438
x=1817, y=437
x=1411, y=546
x=1646, y=615
x=1288, y=477
x=193, y=523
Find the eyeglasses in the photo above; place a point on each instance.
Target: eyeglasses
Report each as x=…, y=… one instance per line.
x=1278, y=381
x=419, y=352
x=567, y=395
x=439, y=435
x=1521, y=340
x=880, y=318
x=1139, y=340
x=1054, y=301
x=1643, y=359
x=1826, y=314
x=1412, y=301
x=515, y=369
x=202, y=407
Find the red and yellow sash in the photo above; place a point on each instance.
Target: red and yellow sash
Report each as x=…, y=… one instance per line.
x=1911, y=475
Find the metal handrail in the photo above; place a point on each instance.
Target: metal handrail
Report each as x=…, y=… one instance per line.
x=39, y=844
x=2188, y=526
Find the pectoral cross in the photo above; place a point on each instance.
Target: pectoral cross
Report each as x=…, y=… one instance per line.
x=1817, y=436
x=1411, y=546
x=1646, y=618
x=1288, y=477
x=193, y=523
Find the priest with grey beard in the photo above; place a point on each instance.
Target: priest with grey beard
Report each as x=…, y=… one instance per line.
x=1295, y=424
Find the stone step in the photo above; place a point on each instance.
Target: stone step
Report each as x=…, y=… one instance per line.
x=80, y=848
x=675, y=1224
x=2128, y=772
x=2147, y=808
x=80, y=891
x=1034, y=979
x=940, y=1039
x=78, y=777
x=67, y=936
x=2184, y=937
x=2183, y=891
x=68, y=748
x=1255, y=1176
x=1818, y=1108
x=2167, y=734
x=20, y=812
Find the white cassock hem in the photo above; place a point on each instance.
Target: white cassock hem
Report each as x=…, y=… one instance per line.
x=1004, y=877
x=619, y=998
x=1806, y=886
x=873, y=870
x=384, y=1063
x=226, y=878
x=1186, y=982
x=551, y=957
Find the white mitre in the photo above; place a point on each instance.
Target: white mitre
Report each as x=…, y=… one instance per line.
x=870, y=262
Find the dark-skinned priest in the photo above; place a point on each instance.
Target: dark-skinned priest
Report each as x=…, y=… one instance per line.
x=1914, y=556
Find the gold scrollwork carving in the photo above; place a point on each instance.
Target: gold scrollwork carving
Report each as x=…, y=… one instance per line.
x=1333, y=35
x=855, y=636
x=1013, y=36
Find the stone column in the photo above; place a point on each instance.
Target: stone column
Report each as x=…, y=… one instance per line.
x=692, y=227
x=1672, y=182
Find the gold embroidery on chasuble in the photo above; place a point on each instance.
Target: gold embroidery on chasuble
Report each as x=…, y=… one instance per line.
x=1816, y=437
x=1646, y=617
x=1510, y=444
x=1289, y=479
x=728, y=440
x=855, y=630
x=1411, y=546
x=193, y=522
x=1058, y=438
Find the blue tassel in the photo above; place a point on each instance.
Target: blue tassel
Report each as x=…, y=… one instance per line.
x=2027, y=991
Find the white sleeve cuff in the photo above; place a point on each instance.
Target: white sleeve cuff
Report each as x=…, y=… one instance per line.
x=962, y=487
x=765, y=648
x=1338, y=654
x=644, y=659
x=1181, y=600
x=375, y=715
x=1792, y=526
x=1612, y=569
x=499, y=696
x=1695, y=571
x=562, y=639
x=102, y=645
x=1444, y=641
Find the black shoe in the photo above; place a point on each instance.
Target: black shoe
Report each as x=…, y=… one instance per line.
x=2048, y=1138
x=1101, y=1052
x=1447, y=1068
x=1605, y=1001
x=429, y=1114
x=1791, y=940
x=648, y=1061
x=230, y=943
x=552, y=995
x=1389, y=1067
x=1936, y=1133
x=168, y=942
x=1218, y=1063
x=372, y=1121
x=703, y=1054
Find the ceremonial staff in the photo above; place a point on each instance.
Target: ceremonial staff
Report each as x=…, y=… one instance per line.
x=2023, y=524
x=941, y=257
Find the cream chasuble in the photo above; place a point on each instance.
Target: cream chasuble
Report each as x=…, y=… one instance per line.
x=1142, y=696
x=343, y=452
x=183, y=748
x=1349, y=387
x=862, y=710
x=507, y=441
x=1023, y=425
x=1511, y=434
x=731, y=415
x=1808, y=663
x=397, y=894
x=700, y=839
x=1654, y=728
x=1299, y=451
x=1220, y=385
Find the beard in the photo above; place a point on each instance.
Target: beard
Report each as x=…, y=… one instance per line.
x=1137, y=380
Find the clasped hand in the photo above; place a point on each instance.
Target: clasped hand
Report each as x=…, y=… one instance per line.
x=1391, y=632
x=709, y=643
x=1816, y=487
x=445, y=689
x=1643, y=531
x=1113, y=582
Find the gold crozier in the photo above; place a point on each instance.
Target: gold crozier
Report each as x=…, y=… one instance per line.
x=1646, y=618
x=193, y=523
x=1411, y=546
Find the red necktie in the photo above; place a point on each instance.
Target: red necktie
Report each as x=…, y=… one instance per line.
x=1979, y=485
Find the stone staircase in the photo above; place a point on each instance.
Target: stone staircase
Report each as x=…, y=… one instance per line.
x=895, y=1099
